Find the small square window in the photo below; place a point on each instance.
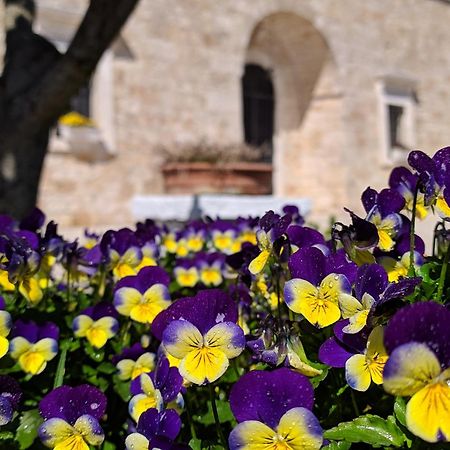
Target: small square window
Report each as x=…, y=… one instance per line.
x=398, y=106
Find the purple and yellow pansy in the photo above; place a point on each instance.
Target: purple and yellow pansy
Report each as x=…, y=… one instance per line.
x=33, y=345
x=317, y=291
x=133, y=361
x=418, y=341
x=273, y=410
x=143, y=296
x=202, y=333
x=155, y=429
x=97, y=324
x=71, y=418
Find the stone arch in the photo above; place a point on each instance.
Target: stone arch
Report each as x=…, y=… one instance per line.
x=308, y=117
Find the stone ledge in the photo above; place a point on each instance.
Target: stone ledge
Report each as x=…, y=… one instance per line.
x=182, y=207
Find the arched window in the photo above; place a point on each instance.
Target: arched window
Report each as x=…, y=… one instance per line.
x=259, y=103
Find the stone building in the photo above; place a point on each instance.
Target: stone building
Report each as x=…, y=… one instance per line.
x=349, y=87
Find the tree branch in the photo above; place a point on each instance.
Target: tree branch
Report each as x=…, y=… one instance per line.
x=46, y=100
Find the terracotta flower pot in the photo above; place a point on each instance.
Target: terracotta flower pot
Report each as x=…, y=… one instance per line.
x=231, y=178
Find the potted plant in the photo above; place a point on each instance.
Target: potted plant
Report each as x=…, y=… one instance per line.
x=203, y=168
x=82, y=138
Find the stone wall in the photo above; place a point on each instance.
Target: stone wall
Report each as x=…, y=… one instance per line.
x=174, y=76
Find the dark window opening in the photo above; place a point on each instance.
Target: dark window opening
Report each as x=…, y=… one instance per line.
x=259, y=106
x=396, y=116
x=80, y=102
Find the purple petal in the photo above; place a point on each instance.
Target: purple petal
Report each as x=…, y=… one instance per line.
x=6, y=410
x=167, y=379
x=332, y=353
x=147, y=277
x=338, y=262
x=266, y=396
x=205, y=310
x=355, y=343
x=369, y=199
x=152, y=424
x=390, y=201
x=70, y=403
x=132, y=352
x=304, y=236
x=27, y=329
x=10, y=389
x=421, y=162
x=403, y=244
x=33, y=221
x=426, y=322
x=371, y=278
x=400, y=289
x=48, y=330
x=401, y=178
x=442, y=164
x=309, y=264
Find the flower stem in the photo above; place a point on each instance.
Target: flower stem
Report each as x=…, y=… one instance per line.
x=216, y=416
x=189, y=417
x=61, y=368
x=412, y=235
x=443, y=275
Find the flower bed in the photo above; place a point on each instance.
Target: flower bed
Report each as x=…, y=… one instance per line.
x=256, y=334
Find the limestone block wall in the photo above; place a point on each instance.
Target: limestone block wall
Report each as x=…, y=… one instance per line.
x=174, y=76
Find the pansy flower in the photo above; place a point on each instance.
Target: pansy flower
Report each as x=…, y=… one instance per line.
x=186, y=272
x=123, y=251
x=143, y=296
x=156, y=430
x=71, y=417
x=23, y=262
x=202, y=332
x=210, y=267
x=363, y=357
x=151, y=390
x=272, y=227
x=399, y=268
x=224, y=236
x=434, y=175
x=10, y=396
x=405, y=182
x=319, y=285
x=418, y=340
x=372, y=289
x=133, y=361
x=33, y=345
x=383, y=211
x=5, y=328
x=97, y=324
x=279, y=344
x=274, y=412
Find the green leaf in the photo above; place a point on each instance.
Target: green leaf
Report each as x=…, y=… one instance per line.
x=122, y=388
x=224, y=411
x=400, y=410
x=27, y=431
x=369, y=429
x=96, y=355
x=342, y=445
x=195, y=444
x=108, y=446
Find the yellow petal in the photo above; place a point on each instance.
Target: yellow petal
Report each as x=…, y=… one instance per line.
x=411, y=367
x=203, y=365
x=357, y=373
x=258, y=264
x=428, y=412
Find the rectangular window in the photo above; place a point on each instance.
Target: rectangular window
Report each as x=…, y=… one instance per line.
x=397, y=100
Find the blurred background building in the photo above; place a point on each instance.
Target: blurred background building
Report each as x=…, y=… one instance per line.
x=333, y=93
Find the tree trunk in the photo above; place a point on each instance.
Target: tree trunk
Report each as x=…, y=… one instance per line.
x=36, y=87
